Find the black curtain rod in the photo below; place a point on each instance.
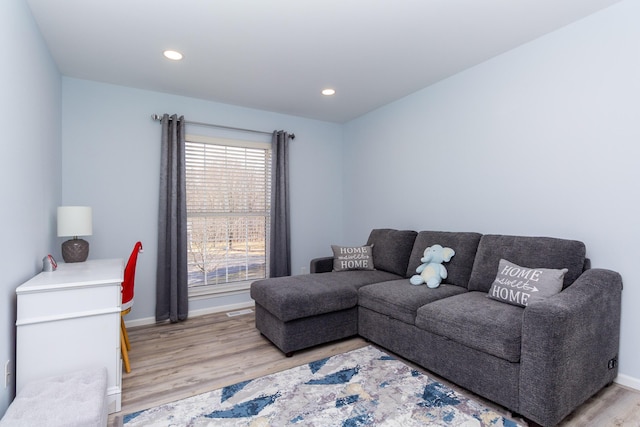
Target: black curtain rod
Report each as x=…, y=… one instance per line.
x=158, y=118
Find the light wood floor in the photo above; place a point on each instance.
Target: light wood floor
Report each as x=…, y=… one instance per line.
x=175, y=361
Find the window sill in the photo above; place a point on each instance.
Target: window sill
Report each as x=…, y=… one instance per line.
x=208, y=291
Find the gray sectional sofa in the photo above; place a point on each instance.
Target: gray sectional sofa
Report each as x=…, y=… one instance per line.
x=541, y=361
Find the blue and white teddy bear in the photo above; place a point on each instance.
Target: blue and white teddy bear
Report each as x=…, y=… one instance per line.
x=431, y=271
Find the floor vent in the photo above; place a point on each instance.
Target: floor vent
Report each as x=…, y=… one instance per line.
x=239, y=312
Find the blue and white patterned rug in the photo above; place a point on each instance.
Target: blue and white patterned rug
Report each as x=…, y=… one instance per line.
x=358, y=388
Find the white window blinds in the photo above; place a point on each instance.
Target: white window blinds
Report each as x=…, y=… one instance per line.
x=228, y=191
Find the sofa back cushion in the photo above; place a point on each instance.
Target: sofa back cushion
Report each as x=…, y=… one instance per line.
x=459, y=267
x=532, y=252
x=391, y=249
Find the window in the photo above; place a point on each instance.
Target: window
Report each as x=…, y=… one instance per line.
x=228, y=204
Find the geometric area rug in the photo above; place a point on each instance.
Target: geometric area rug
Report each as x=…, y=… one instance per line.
x=362, y=387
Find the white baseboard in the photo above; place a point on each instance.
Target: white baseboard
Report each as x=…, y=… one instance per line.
x=194, y=313
x=628, y=381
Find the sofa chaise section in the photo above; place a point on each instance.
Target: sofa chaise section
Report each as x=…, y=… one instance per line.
x=297, y=312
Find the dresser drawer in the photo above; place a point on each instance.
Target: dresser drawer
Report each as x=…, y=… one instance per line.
x=57, y=303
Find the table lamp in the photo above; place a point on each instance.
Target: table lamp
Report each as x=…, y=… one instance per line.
x=74, y=221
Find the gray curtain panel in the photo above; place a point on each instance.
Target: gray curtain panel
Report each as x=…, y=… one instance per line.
x=171, y=287
x=280, y=251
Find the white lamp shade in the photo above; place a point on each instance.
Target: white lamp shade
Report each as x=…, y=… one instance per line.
x=74, y=221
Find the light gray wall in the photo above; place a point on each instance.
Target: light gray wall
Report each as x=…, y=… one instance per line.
x=111, y=157
x=542, y=140
x=29, y=165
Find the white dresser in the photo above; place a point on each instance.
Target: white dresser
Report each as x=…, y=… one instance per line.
x=69, y=319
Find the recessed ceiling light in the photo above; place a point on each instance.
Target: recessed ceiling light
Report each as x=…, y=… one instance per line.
x=173, y=55
x=328, y=92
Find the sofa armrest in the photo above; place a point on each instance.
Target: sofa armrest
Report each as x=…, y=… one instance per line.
x=321, y=265
x=570, y=346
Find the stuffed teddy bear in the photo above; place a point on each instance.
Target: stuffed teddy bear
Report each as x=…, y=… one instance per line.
x=431, y=271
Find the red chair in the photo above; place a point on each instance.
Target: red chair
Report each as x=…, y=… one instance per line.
x=127, y=302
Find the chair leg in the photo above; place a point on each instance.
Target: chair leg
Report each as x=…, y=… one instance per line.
x=125, y=353
x=124, y=332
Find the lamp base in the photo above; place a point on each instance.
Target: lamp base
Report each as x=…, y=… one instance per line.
x=75, y=250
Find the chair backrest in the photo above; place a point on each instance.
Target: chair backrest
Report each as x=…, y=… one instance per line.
x=129, y=277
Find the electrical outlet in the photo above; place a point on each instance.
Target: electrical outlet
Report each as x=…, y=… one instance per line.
x=303, y=270
x=7, y=373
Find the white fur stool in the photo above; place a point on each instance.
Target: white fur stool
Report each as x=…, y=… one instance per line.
x=77, y=399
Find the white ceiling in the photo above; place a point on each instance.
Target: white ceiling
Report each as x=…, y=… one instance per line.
x=277, y=55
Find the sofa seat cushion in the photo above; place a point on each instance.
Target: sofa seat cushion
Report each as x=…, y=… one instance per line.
x=476, y=321
x=294, y=297
x=400, y=299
